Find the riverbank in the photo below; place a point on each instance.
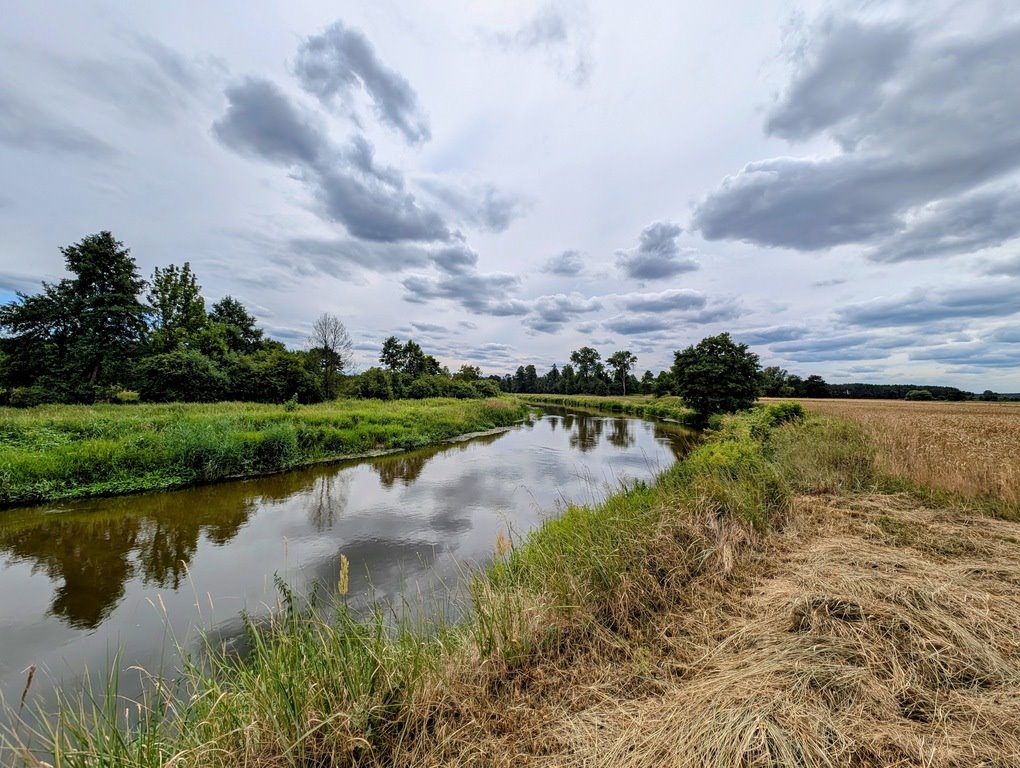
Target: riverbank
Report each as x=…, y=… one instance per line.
x=51, y=453
x=643, y=406
x=766, y=602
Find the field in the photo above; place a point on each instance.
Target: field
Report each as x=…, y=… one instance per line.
x=67, y=451
x=776, y=600
x=642, y=406
x=971, y=448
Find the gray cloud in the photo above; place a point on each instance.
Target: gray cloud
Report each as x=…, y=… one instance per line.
x=1009, y=334
x=771, y=334
x=24, y=125
x=830, y=282
x=964, y=225
x=664, y=301
x=657, y=255
x=551, y=313
x=923, y=306
x=15, y=282
x=1009, y=267
x=567, y=264
x=481, y=205
x=483, y=294
x=918, y=120
x=331, y=64
x=976, y=354
x=631, y=325
x=262, y=121
x=840, y=78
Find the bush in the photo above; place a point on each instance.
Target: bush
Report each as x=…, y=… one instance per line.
x=375, y=384
x=919, y=394
x=180, y=376
x=27, y=397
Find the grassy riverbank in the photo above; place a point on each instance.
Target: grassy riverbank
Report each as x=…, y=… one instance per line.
x=61, y=452
x=642, y=406
x=767, y=602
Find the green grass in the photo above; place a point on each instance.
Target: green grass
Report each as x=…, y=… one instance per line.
x=61, y=452
x=643, y=406
x=323, y=688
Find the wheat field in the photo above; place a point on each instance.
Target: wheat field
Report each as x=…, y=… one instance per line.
x=972, y=448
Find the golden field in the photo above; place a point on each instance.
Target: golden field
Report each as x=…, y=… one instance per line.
x=972, y=448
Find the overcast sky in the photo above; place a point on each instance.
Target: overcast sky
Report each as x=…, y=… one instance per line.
x=836, y=184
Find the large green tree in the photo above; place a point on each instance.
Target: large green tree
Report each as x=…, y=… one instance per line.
x=622, y=362
x=84, y=331
x=178, y=309
x=238, y=325
x=716, y=375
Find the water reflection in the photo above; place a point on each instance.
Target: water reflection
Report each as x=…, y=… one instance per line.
x=81, y=580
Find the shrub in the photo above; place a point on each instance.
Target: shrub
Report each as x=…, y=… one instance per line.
x=919, y=394
x=375, y=383
x=180, y=376
x=27, y=397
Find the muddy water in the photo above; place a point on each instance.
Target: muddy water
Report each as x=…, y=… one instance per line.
x=136, y=575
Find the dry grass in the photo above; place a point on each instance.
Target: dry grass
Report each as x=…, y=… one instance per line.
x=871, y=632
x=971, y=448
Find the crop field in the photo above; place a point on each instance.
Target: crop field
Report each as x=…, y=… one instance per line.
x=970, y=448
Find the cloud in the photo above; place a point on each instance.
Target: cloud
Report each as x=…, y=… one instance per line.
x=919, y=117
x=481, y=205
x=963, y=225
x=262, y=121
x=831, y=281
x=664, y=301
x=551, y=313
x=632, y=325
x=1009, y=267
x=567, y=264
x=644, y=322
x=331, y=64
x=24, y=125
x=15, y=282
x=483, y=294
x=1009, y=334
x=564, y=42
x=924, y=306
x=771, y=334
x=657, y=255
x=977, y=354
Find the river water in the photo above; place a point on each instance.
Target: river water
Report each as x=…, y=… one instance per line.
x=136, y=576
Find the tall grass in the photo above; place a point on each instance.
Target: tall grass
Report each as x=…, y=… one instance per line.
x=60, y=452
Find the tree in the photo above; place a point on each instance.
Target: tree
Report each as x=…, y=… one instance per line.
x=774, y=381
x=716, y=376
x=415, y=361
x=815, y=386
x=468, y=373
x=80, y=332
x=919, y=394
x=392, y=355
x=621, y=362
x=588, y=362
x=178, y=309
x=332, y=343
x=180, y=376
x=241, y=333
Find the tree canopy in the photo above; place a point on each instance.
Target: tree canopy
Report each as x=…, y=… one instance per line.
x=717, y=375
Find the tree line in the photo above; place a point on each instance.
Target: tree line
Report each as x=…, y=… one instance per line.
x=107, y=334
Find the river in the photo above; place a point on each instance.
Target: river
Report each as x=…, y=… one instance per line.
x=136, y=576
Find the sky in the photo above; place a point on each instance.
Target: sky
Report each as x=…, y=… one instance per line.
x=835, y=184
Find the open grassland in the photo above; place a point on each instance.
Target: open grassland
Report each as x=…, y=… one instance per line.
x=60, y=452
x=767, y=603
x=642, y=406
x=971, y=448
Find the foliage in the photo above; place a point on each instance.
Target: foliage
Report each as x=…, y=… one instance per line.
x=918, y=394
x=81, y=332
x=621, y=362
x=178, y=309
x=717, y=375
x=331, y=349
x=375, y=383
x=241, y=333
x=182, y=376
